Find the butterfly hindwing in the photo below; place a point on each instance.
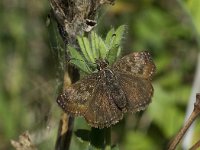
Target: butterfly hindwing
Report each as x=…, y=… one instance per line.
x=138, y=91
x=102, y=113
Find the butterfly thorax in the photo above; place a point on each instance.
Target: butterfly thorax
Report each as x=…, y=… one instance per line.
x=108, y=82
x=101, y=64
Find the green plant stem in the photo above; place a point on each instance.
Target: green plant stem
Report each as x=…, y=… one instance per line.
x=101, y=138
x=97, y=138
x=107, y=135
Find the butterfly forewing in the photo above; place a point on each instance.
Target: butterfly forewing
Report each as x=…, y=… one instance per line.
x=75, y=98
x=138, y=64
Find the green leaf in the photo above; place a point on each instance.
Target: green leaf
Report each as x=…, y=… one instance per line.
x=113, y=41
x=109, y=36
x=83, y=48
x=95, y=47
x=119, y=34
x=114, y=38
x=94, y=44
x=78, y=60
x=88, y=49
x=113, y=54
x=102, y=48
x=98, y=45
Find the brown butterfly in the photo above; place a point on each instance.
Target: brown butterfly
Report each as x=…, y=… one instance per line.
x=104, y=96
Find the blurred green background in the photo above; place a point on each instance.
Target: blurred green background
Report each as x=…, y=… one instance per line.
x=169, y=30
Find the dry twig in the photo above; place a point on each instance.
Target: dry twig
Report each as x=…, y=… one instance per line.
x=193, y=116
x=195, y=146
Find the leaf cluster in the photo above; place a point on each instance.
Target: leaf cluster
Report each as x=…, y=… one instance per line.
x=94, y=47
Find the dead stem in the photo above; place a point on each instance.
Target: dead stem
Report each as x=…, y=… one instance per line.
x=193, y=116
x=195, y=146
x=64, y=132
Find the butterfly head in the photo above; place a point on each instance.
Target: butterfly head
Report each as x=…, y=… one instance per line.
x=101, y=64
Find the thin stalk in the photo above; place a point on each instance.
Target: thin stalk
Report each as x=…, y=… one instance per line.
x=64, y=132
x=97, y=138
x=107, y=135
x=195, y=146
x=193, y=116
